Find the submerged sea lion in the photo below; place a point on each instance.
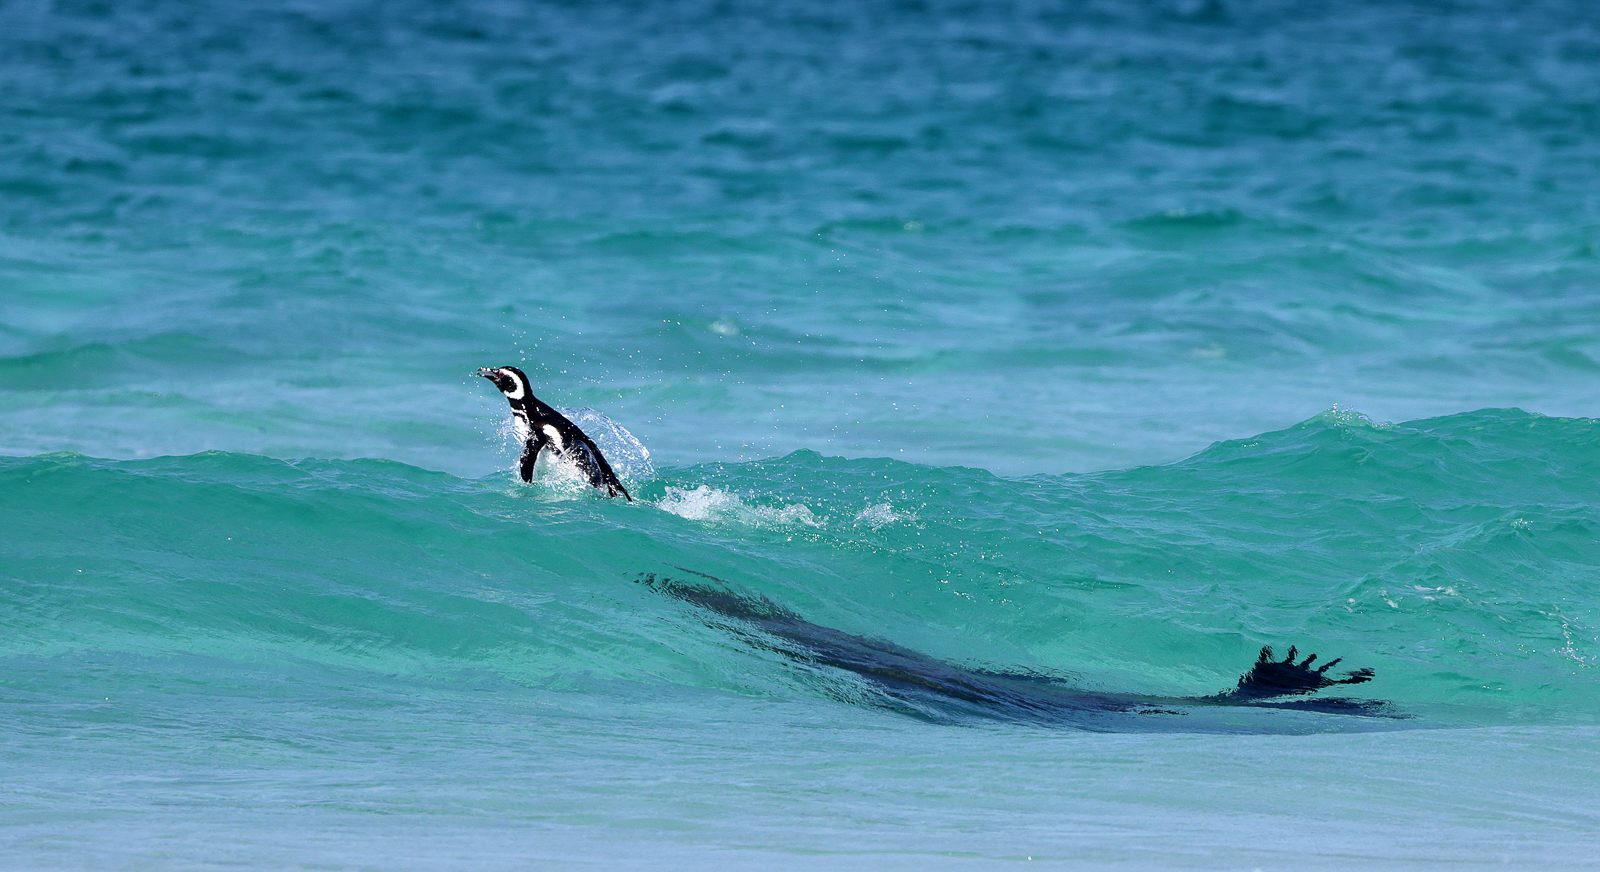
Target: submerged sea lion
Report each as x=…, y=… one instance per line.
x=921, y=685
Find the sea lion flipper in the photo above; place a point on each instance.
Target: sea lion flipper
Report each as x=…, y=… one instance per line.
x=1286, y=677
x=1360, y=676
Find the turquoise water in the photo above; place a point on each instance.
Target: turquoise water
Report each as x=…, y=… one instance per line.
x=1103, y=344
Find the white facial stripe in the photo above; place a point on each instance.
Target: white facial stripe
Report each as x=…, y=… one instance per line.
x=555, y=437
x=519, y=389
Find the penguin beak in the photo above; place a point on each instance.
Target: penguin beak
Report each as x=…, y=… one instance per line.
x=487, y=373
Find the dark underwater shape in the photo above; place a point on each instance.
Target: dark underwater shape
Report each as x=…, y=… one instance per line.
x=916, y=684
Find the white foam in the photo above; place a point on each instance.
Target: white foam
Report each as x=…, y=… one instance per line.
x=560, y=477
x=715, y=505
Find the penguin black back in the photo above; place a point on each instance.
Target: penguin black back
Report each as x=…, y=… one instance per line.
x=547, y=428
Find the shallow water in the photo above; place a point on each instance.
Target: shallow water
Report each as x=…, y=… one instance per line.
x=1106, y=345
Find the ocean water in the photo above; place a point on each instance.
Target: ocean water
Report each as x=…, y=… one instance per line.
x=1097, y=344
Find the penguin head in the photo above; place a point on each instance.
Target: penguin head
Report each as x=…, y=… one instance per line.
x=511, y=381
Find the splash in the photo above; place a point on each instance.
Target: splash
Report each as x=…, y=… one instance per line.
x=706, y=503
x=881, y=515
x=628, y=457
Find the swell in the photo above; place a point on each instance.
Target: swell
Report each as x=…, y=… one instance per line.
x=1454, y=556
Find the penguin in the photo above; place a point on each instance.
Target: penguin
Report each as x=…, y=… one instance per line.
x=549, y=428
